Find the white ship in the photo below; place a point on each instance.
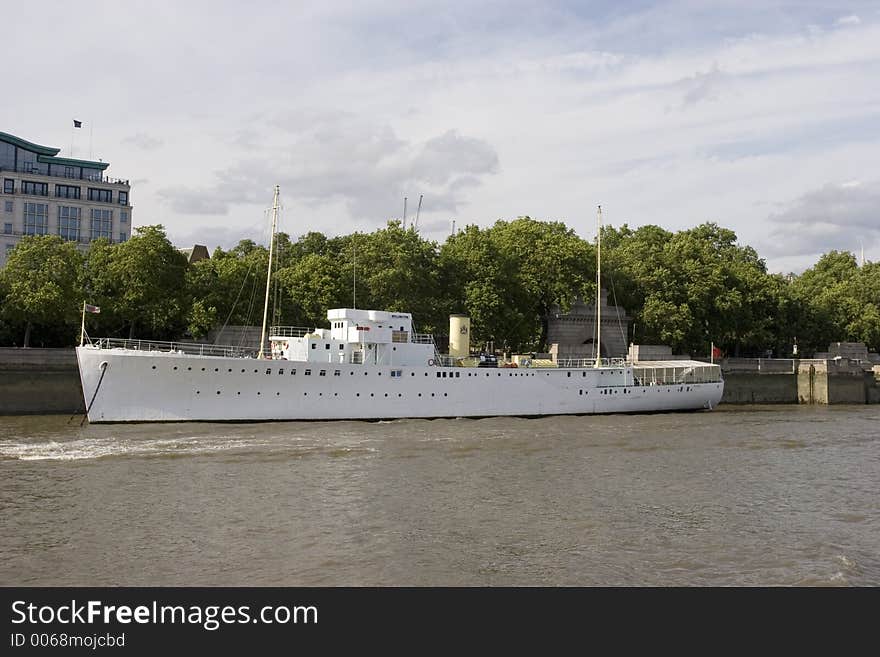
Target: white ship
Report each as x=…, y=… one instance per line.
x=368, y=365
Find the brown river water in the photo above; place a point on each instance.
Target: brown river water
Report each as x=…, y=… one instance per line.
x=754, y=495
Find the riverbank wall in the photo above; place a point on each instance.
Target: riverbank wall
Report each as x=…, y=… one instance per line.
x=38, y=381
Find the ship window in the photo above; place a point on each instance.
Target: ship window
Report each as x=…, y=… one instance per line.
x=569, y=374
x=268, y=370
x=438, y=373
x=337, y=373
x=314, y=345
x=308, y=372
x=327, y=346
x=444, y=375
x=341, y=346
x=583, y=373
x=281, y=370
x=322, y=373
x=458, y=375
x=293, y=372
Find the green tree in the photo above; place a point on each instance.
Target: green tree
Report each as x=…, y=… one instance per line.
x=41, y=286
x=142, y=283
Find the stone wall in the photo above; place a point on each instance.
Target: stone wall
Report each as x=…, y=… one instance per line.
x=36, y=381
x=574, y=333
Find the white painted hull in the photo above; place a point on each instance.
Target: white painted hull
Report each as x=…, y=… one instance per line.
x=144, y=386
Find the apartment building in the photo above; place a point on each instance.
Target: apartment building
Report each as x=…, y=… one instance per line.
x=43, y=194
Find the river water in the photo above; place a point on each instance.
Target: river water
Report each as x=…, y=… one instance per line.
x=781, y=495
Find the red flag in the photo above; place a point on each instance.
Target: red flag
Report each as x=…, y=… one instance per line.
x=716, y=352
x=92, y=309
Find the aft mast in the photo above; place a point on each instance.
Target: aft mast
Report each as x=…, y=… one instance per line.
x=599, y=288
x=269, y=273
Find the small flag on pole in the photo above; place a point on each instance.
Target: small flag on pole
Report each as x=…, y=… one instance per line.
x=92, y=309
x=77, y=124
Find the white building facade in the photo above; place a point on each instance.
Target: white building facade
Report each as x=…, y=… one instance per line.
x=43, y=194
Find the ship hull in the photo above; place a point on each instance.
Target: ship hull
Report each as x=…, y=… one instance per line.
x=122, y=385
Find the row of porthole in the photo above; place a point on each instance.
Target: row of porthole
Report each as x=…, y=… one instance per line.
x=335, y=394
x=308, y=372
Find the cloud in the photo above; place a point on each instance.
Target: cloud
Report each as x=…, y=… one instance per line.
x=852, y=19
x=143, y=141
x=322, y=158
x=835, y=216
x=702, y=86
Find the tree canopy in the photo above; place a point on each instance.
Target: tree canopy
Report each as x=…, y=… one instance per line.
x=686, y=288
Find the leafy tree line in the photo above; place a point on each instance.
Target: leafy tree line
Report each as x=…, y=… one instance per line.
x=683, y=288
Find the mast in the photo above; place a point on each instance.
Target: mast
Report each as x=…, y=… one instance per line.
x=599, y=287
x=269, y=273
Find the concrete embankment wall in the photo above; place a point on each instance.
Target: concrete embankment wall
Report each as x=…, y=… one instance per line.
x=34, y=381
x=759, y=381
x=790, y=381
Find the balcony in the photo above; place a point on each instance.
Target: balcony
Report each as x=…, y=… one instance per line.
x=34, y=170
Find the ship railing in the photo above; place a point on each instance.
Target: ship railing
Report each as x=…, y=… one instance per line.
x=589, y=362
x=444, y=360
x=289, y=331
x=422, y=338
x=192, y=348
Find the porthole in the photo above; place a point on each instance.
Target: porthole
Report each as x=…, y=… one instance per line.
x=386, y=394
x=445, y=394
x=277, y=394
x=238, y=393
x=372, y=395
x=198, y=392
x=357, y=394
x=216, y=369
x=229, y=370
x=175, y=368
x=203, y=369
x=399, y=394
x=218, y=392
x=258, y=394
x=154, y=367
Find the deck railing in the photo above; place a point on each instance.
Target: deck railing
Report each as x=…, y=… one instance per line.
x=289, y=331
x=192, y=348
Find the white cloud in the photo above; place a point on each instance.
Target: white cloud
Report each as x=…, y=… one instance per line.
x=852, y=19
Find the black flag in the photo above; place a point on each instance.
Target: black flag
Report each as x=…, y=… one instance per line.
x=77, y=124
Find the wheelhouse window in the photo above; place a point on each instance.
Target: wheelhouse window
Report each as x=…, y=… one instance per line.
x=36, y=218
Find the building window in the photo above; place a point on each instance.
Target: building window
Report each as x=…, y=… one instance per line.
x=122, y=197
x=123, y=236
x=123, y=216
x=9, y=248
x=34, y=188
x=8, y=186
x=68, y=223
x=70, y=172
x=101, y=221
x=36, y=218
x=100, y=195
x=7, y=229
x=67, y=191
x=7, y=205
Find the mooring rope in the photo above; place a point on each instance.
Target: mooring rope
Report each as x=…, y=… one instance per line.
x=98, y=387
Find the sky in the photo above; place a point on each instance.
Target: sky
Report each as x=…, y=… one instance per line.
x=761, y=116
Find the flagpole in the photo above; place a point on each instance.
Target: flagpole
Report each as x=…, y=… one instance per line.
x=82, y=331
